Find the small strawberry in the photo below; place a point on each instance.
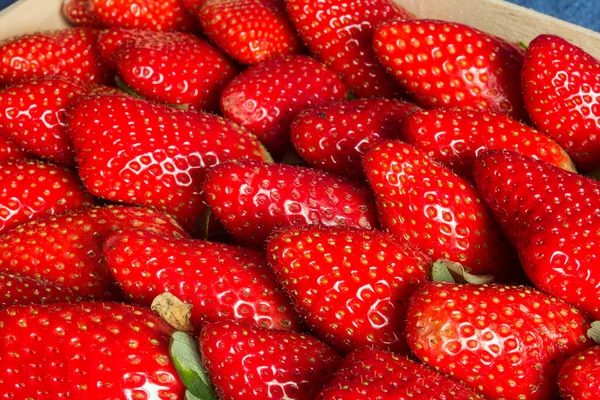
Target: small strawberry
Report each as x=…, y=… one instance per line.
x=70, y=53
x=79, y=13
x=579, y=376
x=86, y=351
x=152, y=155
x=246, y=362
x=507, y=342
x=334, y=137
x=339, y=33
x=11, y=151
x=22, y=290
x=249, y=31
x=267, y=106
x=376, y=374
x=561, y=85
x=351, y=286
x=219, y=281
x=435, y=210
x=457, y=138
x=251, y=199
x=446, y=65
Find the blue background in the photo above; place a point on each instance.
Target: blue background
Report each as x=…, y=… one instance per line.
x=582, y=12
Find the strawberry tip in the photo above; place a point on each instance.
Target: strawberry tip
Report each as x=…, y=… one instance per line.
x=453, y=272
x=186, y=358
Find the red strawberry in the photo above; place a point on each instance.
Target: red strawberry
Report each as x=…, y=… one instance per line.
x=70, y=53
x=195, y=73
x=79, y=13
x=550, y=215
x=334, y=137
x=376, y=374
x=252, y=199
x=435, y=210
x=250, y=31
x=67, y=249
x=219, y=281
x=267, y=106
x=246, y=362
x=86, y=350
x=152, y=15
x=339, y=33
x=456, y=138
x=506, y=342
x=9, y=150
x=34, y=189
x=446, y=65
x=23, y=290
x=351, y=286
x=578, y=378
x=561, y=84
x=152, y=155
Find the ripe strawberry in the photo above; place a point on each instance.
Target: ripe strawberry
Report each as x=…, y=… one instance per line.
x=339, y=34
x=561, y=83
x=219, y=281
x=152, y=155
x=351, y=286
x=507, y=342
x=194, y=75
x=246, y=362
x=34, y=189
x=376, y=374
x=435, y=210
x=79, y=13
x=267, y=106
x=22, y=290
x=456, y=138
x=334, y=137
x=249, y=31
x=67, y=249
x=9, y=150
x=578, y=377
x=86, y=350
x=447, y=65
x=70, y=53
x=152, y=15
x=252, y=199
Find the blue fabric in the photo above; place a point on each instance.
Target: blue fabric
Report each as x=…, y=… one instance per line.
x=5, y=3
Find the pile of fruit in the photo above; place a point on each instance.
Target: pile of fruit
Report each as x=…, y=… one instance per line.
x=299, y=199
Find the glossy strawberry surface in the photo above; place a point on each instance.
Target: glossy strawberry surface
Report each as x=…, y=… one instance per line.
x=578, y=378
x=79, y=13
x=9, y=150
x=21, y=290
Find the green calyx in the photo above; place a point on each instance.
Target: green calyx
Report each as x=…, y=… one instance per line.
x=186, y=358
x=453, y=272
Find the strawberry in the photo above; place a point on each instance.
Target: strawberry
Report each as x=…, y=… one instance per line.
x=334, y=137
x=79, y=13
x=9, y=150
x=251, y=199
x=71, y=53
x=561, y=83
x=249, y=31
x=446, y=65
x=194, y=75
x=435, y=210
x=33, y=189
x=23, y=290
x=550, y=217
x=67, y=249
x=267, y=106
x=506, y=342
x=219, y=281
x=86, y=350
x=578, y=377
x=152, y=155
x=351, y=286
x=375, y=374
x=152, y=15
x=456, y=138
x=246, y=362
x=339, y=33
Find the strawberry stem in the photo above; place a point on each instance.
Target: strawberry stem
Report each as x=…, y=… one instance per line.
x=186, y=358
x=453, y=272
x=174, y=311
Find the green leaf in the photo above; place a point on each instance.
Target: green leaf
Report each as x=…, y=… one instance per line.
x=440, y=273
x=186, y=358
x=594, y=332
x=449, y=271
x=202, y=229
x=190, y=396
x=123, y=86
x=523, y=45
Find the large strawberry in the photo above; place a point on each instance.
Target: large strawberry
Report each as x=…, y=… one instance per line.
x=246, y=362
x=561, y=85
x=71, y=53
x=445, y=65
x=267, y=105
x=351, y=286
x=507, y=342
x=456, y=138
x=152, y=155
x=339, y=33
x=86, y=350
x=23, y=290
x=251, y=199
x=334, y=137
x=435, y=210
x=579, y=377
